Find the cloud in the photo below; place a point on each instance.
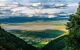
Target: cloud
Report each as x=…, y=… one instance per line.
x=30, y=11
x=2, y=0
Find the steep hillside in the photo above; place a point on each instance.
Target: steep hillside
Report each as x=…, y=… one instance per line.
x=11, y=42
x=57, y=44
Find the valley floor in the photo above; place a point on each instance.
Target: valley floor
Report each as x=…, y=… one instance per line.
x=37, y=33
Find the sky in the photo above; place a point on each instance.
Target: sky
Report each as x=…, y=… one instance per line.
x=44, y=1
x=71, y=8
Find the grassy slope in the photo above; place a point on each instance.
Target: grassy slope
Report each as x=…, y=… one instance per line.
x=10, y=42
x=57, y=44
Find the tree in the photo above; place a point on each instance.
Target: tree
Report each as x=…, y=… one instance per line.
x=73, y=40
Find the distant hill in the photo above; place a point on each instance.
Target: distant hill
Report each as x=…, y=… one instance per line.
x=21, y=19
x=11, y=42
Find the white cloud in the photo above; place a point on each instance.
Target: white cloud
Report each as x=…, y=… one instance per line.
x=2, y=0
x=32, y=11
x=51, y=16
x=72, y=4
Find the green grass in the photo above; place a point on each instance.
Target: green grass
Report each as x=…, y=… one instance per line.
x=37, y=38
x=40, y=34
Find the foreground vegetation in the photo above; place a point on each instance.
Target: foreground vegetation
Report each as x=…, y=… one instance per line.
x=73, y=40
x=9, y=41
